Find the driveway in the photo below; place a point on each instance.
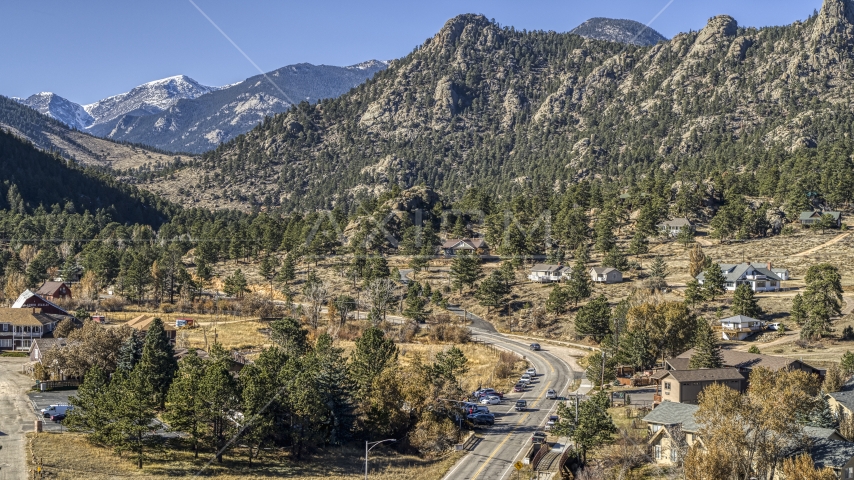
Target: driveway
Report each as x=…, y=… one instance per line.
x=16, y=418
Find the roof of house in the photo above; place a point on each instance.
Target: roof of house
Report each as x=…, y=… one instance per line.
x=816, y=214
x=672, y=413
x=544, y=267
x=50, y=288
x=818, y=432
x=780, y=270
x=182, y=352
x=705, y=375
x=831, y=453
x=846, y=399
x=28, y=294
x=678, y=363
x=48, y=343
x=142, y=323
x=739, y=319
x=733, y=358
x=604, y=270
x=473, y=243
x=22, y=317
x=733, y=272
x=676, y=222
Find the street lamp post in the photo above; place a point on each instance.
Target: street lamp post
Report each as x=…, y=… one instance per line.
x=372, y=445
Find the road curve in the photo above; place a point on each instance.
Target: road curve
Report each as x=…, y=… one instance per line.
x=504, y=443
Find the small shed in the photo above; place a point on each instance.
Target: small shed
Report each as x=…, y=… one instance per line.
x=606, y=275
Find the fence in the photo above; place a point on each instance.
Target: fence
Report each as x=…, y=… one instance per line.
x=544, y=449
x=53, y=384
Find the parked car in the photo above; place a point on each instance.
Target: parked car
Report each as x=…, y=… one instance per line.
x=525, y=381
x=519, y=387
x=532, y=372
x=773, y=326
x=521, y=405
x=483, y=391
x=551, y=394
x=482, y=419
x=490, y=400
x=535, y=346
x=477, y=409
x=55, y=409
x=57, y=417
x=553, y=419
x=538, y=437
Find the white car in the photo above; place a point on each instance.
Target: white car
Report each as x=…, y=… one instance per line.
x=524, y=381
x=490, y=400
x=526, y=376
x=773, y=326
x=531, y=371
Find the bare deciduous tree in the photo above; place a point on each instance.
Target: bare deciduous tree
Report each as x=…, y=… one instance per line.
x=380, y=294
x=316, y=294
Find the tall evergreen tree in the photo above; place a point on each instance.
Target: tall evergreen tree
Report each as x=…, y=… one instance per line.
x=707, y=349
x=744, y=302
x=465, y=270
x=157, y=365
x=221, y=396
x=130, y=352
x=185, y=410
x=594, y=319
x=492, y=291
x=713, y=282
x=372, y=355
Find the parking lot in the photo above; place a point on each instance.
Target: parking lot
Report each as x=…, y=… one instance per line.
x=41, y=400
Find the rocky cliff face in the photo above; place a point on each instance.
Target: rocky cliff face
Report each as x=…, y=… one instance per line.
x=479, y=104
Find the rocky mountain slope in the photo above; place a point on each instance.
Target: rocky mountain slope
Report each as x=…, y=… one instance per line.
x=61, y=109
x=618, y=30
x=482, y=105
x=200, y=124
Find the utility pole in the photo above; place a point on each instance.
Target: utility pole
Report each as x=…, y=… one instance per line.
x=372, y=445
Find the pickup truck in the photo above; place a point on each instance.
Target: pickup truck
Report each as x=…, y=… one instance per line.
x=553, y=419
x=521, y=405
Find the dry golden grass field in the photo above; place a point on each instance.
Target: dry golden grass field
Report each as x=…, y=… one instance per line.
x=70, y=456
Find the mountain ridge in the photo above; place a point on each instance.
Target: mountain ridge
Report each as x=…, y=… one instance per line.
x=619, y=31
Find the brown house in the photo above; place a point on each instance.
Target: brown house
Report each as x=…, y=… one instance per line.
x=54, y=291
x=684, y=386
x=143, y=322
x=454, y=246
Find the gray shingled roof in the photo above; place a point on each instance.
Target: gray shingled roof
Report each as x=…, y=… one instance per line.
x=734, y=272
x=542, y=267
x=845, y=398
x=706, y=375
x=818, y=432
x=736, y=359
x=739, y=319
x=603, y=270
x=678, y=363
x=831, y=453
x=670, y=413
x=814, y=214
x=676, y=222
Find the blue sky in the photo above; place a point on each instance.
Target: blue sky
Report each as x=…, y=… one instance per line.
x=88, y=50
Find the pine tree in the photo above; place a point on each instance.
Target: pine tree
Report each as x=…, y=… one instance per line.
x=132, y=405
x=744, y=302
x=88, y=414
x=846, y=365
x=287, y=273
x=658, y=269
x=290, y=336
x=713, y=282
x=184, y=405
x=335, y=389
x=157, y=363
x=595, y=426
x=558, y=300
x=707, y=349
x=639, y=244
x=579, y=286
x=235, y=284
x=220, y=395
x=415, y=305
x=821, y=415
x=492, y=291
x=594, y=319
x=130, y=352
x=372, y=355
x=696, y=260
x=465, y=270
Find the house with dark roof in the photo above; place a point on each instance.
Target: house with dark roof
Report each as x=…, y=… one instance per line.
x=672, y=228
x=544, y=273
x=684, y=386
x=746, y=361
x=760, y=278
x=841, y=404
x=606, y=275
x=54, y=291
x=672, y=431
x=810, y=218
x=454, y=246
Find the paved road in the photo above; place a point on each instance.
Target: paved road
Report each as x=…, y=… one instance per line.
x=504, y=443
x=16, y=418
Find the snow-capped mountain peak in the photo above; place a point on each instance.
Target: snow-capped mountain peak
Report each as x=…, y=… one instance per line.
x=64, y=110
x=370, y=64
x=148, y=98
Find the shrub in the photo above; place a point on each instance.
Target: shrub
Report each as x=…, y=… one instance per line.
x=848, y=333
x=754, y=349
x=113, y=304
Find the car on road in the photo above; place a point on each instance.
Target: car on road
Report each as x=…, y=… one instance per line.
x=553, y=419
x=482, y=419
x=527, y=377
x=525, y=381
x=532, y=372
x=538, y=437
x=490, y=400
x=535, y=347
x=551, y=394
x=519, y=387
x=521, y=405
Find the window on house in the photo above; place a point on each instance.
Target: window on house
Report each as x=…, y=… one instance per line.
x=657, y=452
x=6, y=343
x=5, y=327
x=673, y=455
x=667, y=385
x=849, y=472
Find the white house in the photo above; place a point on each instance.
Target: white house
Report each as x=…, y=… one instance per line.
x=740, y=327
x=543, y=273
x=674, y=227
x=606, y=275
x=783, y=273
x=760, y=278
